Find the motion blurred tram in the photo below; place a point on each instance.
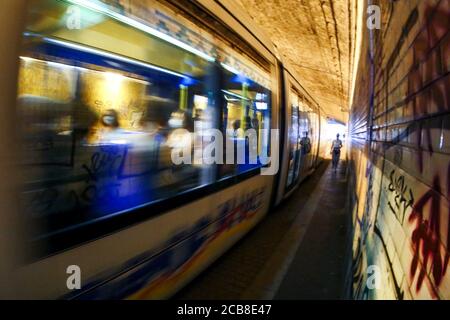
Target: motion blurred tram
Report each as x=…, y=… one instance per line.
x=93, y=206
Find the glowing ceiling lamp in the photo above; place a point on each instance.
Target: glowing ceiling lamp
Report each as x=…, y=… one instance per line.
x=229, y=68
x=101, y=8
x=112, y=56
x=261, y=106
x=240, y=97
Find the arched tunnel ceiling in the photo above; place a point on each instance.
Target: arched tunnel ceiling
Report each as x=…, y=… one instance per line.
x=317, y=38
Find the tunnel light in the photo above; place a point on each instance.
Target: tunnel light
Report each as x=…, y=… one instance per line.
x=95, y=6
x=50, y=63
x=119, y=141
x=240, y=77
x=232, y=99
x=113, y=85
x=230, y=69
x=357, y=50
x=113, y=76
x=200, y=102
x=262, y=96
x=261, y=106
x=235, y=95
x=112, y=56
x=27, y=59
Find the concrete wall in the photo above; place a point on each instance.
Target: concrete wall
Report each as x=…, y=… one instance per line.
x=400, y=154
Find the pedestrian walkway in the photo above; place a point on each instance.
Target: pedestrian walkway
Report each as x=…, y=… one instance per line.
x=297, y=252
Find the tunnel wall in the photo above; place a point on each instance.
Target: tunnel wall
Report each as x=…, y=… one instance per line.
x=400, y=154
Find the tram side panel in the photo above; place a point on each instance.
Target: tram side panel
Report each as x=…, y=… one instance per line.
x=302, y=144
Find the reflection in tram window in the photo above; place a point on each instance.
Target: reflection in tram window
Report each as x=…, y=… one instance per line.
x=107, y=134
x=104, y=106
x=294, y=140
x=247, y=117
x=99, y=128
x=303, y=130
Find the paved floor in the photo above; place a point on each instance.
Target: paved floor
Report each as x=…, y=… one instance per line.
x=297, y=252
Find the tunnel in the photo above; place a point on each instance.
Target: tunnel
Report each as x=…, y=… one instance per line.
x=225, y=150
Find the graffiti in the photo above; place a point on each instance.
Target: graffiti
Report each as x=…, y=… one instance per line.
x=410, y=106
x=398, y=291
x=360, y=290
x=370, y=206
x=238, y=209
x=174, y=261
x=108, y=161
x=428, y=69
x=51, y=200
x=105, y=163
x=102, y=174
x=44, y=144
x=93, y=193
x=427, y=82
x=403, y=196
x=426, y=237
x=43, y=201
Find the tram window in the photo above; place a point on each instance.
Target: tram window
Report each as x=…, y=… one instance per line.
x=305, y=121
x=294, y=140
x=99, y=127
x=104, y=104
x=247, y=121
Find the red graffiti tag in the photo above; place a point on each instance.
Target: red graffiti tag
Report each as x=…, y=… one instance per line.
x=426, y=237
x=427, y=82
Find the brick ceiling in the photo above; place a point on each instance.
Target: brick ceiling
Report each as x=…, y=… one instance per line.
x=317, y=38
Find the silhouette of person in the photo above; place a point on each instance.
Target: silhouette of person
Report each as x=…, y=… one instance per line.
x=336, y=147
x=305, y=144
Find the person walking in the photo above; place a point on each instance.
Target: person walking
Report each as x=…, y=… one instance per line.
x=336, y=147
